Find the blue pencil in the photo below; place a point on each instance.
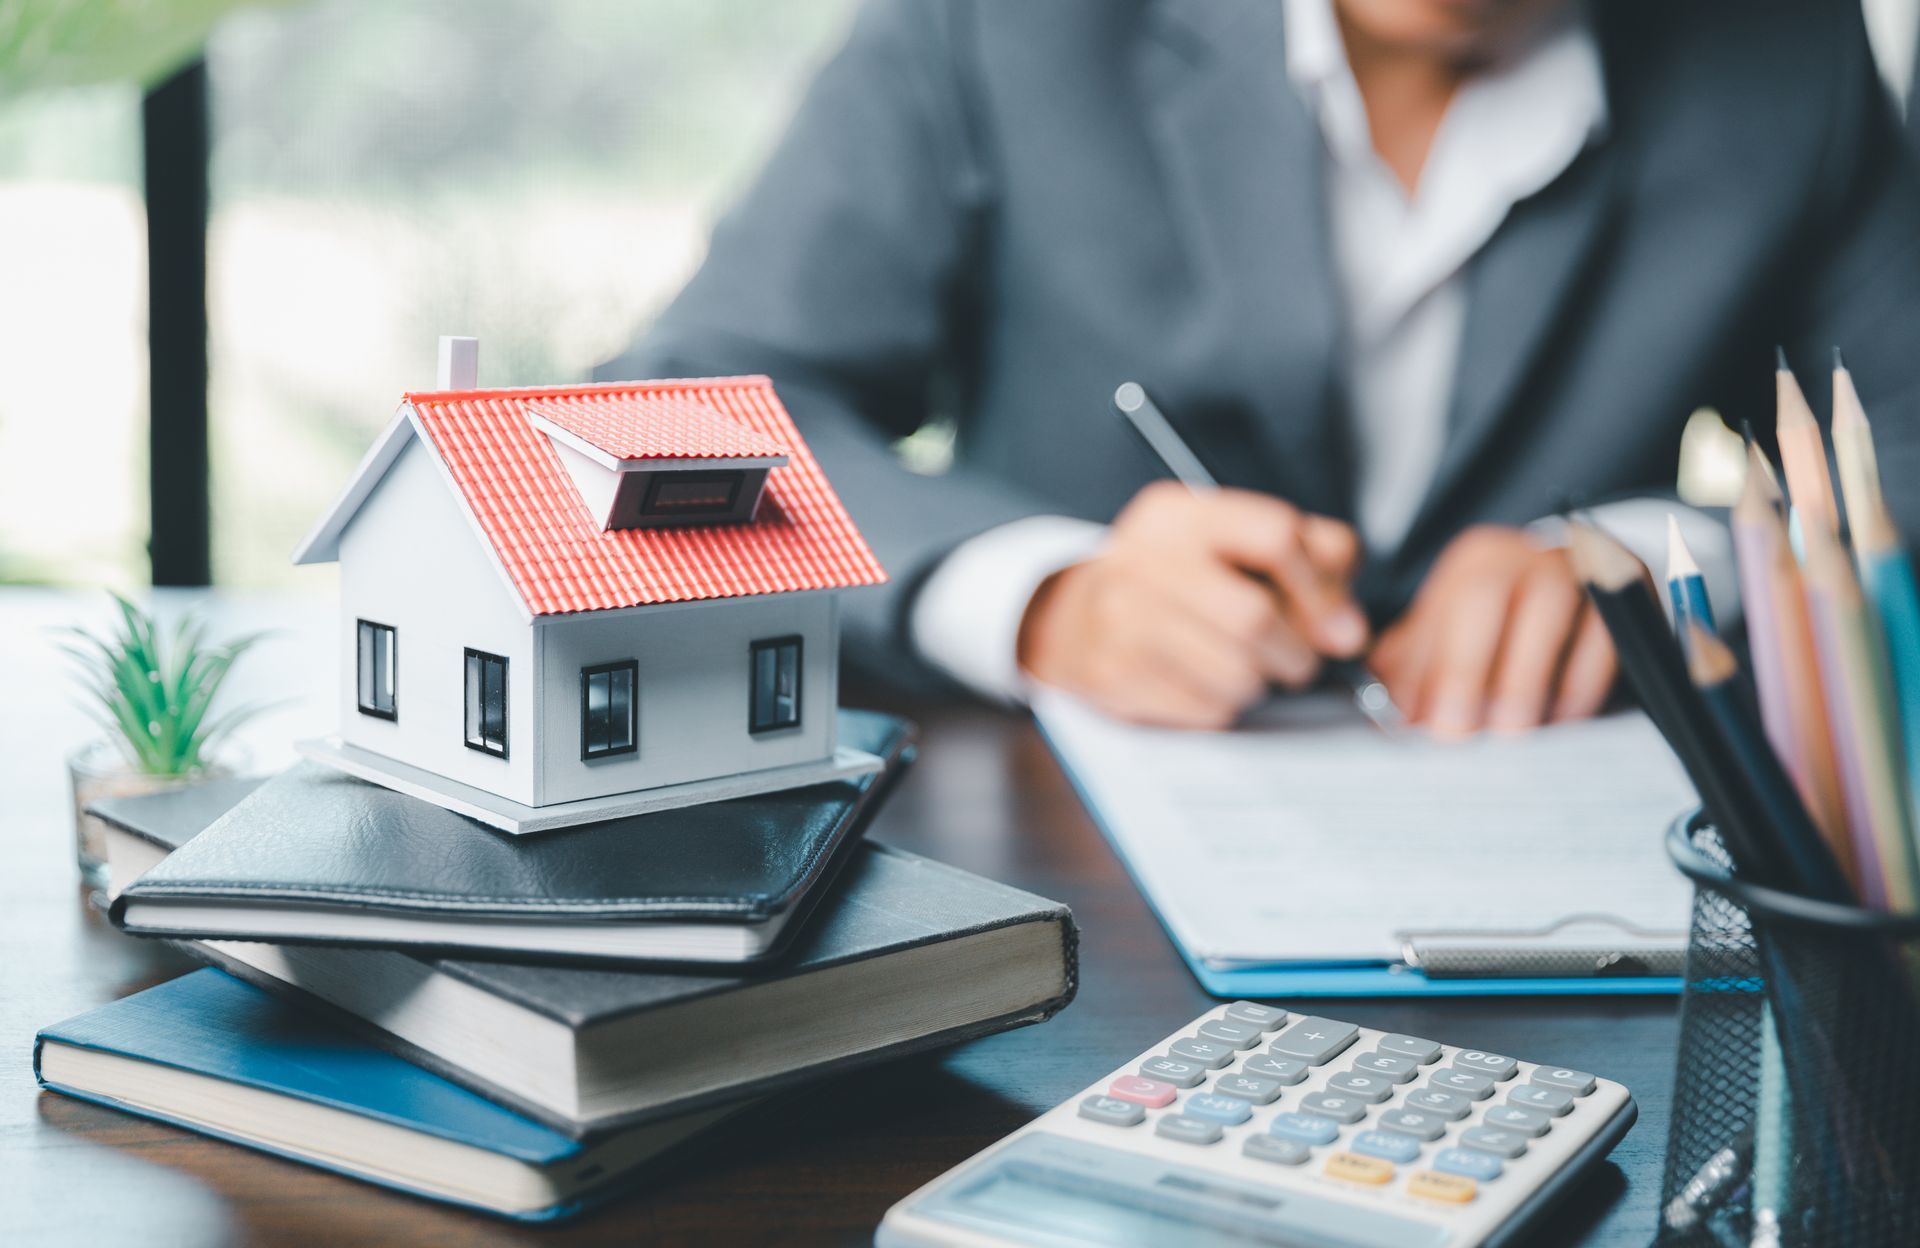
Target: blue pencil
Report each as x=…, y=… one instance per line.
x=1686, y=588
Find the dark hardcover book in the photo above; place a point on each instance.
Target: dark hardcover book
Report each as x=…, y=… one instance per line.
x=313, y=855
x=905, y=955
x=218, y=1056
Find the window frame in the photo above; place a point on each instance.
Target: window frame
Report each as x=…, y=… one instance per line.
x=776, y=644
x=632, y=668
x=472, y=710
x=392, y=712
x=650, y=508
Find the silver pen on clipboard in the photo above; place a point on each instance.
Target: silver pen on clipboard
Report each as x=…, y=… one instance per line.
x=1146, y=419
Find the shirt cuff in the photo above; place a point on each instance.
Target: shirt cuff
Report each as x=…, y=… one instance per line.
x=966, y=617
x=1640, y=524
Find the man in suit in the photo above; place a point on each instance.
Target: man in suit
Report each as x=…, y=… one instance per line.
x=1405, y=274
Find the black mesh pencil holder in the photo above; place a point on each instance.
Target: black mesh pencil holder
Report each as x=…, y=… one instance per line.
x=1796, y=1105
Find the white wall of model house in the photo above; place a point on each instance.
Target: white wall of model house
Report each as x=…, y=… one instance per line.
x=411, y=559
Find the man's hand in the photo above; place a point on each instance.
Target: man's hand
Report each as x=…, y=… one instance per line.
x=1197, y=603
x=1500, y=636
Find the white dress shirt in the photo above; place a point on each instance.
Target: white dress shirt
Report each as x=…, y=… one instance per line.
x=1400, y=261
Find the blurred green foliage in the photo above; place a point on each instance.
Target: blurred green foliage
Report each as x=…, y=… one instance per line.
x=66, y=43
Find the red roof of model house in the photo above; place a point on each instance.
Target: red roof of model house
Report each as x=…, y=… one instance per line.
x=547, y=542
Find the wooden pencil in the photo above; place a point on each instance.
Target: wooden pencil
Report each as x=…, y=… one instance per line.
x=1866, y=730
x=1786, y=671
x=1853, y=451
x=1623, y=594
x=1716, y=674
x=1803, y=454
x=1686, y=587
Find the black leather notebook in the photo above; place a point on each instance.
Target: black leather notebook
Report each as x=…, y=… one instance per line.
x=312, y=855
x=904, y=954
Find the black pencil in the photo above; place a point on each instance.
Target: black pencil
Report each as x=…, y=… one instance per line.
x=1715, y=673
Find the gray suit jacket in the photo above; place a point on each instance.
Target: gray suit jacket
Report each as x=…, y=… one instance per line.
x=994, y=211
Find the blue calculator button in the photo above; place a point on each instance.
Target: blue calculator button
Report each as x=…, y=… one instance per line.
x=1468, y=1162
x=1228, y=1110
x=1307, y=1128
x=1388, y=1145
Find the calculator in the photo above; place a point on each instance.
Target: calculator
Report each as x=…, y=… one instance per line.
x=1258, y=1128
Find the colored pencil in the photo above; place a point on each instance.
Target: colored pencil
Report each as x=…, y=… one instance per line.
x=1686, y=588
x=1853, y=450
x=1810, y=864
x=1623, y=594
x=1866, y=730
x=1802, y=452
x=1786, y=671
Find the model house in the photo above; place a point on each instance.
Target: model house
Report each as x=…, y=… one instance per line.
x=571, y=603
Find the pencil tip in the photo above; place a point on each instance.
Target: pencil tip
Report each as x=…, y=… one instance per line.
x=1839, y=362
x=1746, y=432
x=1679, y=558
x=1780, y=359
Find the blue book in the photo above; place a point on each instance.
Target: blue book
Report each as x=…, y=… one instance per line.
x=215, y=1055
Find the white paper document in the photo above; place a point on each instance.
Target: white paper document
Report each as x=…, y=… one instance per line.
x=1311, y=835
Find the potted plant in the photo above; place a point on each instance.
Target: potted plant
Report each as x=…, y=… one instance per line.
x=153, y=696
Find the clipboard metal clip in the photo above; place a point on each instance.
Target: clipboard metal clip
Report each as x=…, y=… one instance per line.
x=1580, y=946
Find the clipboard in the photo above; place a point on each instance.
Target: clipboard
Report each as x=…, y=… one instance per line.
x=1622, y=958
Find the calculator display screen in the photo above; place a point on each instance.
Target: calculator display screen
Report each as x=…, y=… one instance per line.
x=1046, y=1190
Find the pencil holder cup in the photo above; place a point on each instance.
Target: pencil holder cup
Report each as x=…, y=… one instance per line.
x=1796, y=1103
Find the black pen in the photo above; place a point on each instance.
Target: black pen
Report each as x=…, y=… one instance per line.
x=1146, y=419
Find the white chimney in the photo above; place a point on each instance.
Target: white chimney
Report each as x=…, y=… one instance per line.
x=459, y=363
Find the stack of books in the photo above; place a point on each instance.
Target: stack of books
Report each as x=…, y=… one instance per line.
x=403, y=995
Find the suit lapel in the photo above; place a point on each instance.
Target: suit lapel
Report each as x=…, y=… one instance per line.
x=1240, y=159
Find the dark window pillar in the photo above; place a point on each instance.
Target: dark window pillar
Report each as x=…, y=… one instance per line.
x=177, y=148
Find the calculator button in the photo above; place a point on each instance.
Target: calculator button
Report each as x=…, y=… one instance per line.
x=1229, y=1111
x=1449, y=1189
x=1453, y=1106
x=1465, y=1082
x=1422, y=1051
x=1149, y=1092
x=1338, y=1108
x=1209, y=1053
x=1394, y=1068
x=1111, y=1110
x=1315, y=1039
x=1265, y=1017
x=1355, y=1169
x=1188, y=1130
x=1277, y=1149
x=1369, y=1088
x=1468, y=1162
x=1494, y=1140
x=1181, y=1074
x=1391, y=1145
x=1252, y=1088
x=1578, y=1082
x=1519, y=1118
x=1235, y=1034
x=1555, y=1101
x=1486, y=1063
x=1306, y=1128
x=1415, y=1122
x=1286, y=1070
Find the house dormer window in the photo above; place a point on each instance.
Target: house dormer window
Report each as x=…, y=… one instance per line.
x=659, y=462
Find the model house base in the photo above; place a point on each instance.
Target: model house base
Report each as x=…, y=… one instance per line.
x=517, y=820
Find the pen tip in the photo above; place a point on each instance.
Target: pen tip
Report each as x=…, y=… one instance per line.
x=1129, y=396
x=1839, y=362
x=1780, y=359
x=1746, y=431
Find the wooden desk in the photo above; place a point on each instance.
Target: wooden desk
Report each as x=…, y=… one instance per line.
x=816, y=1166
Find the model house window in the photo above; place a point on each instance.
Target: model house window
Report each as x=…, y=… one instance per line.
x=609, y=713
x=486, y=703
x=692, y=493
x=378, y=653
x=775, y=685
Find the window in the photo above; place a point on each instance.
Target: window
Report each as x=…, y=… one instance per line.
x=486, y=703
x=378, y=650
x=692, y=493
x=775, y=681
x=609, y=713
